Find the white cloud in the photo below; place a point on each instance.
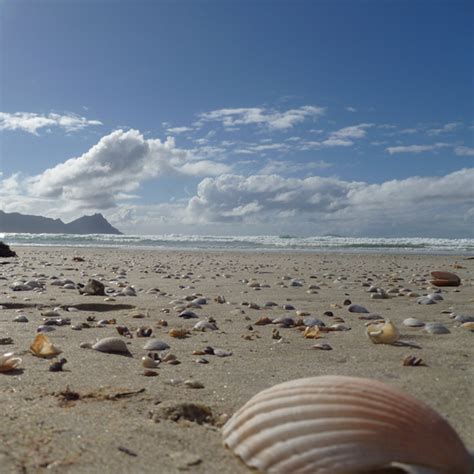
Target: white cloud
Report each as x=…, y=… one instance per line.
x=32, y=122
x=449, y=127
x=354, y=131
x=415, y=148
x=350, y=109
x=178, y=130
x=107, y=173
x=270, y=118
x=428, y=205
x=283, y=167
x=464, y=151
x=333, y=141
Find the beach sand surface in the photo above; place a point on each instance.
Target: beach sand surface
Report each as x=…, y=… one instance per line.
x=102, y=415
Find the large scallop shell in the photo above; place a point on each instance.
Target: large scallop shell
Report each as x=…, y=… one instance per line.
x=342, y=425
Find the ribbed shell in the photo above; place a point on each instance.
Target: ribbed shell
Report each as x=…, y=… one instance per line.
x=341, y=425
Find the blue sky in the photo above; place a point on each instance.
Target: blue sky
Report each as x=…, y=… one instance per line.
x=250, y=117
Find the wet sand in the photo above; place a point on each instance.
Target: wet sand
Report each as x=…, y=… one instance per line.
x=102, y=415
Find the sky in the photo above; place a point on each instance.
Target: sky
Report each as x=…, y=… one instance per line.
x=241, y=117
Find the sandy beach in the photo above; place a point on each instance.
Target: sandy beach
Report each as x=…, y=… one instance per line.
x=101, y=414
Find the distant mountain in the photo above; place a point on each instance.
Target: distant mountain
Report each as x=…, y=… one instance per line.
x=22, y=223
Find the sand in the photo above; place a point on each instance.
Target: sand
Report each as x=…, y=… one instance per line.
x=119, y=423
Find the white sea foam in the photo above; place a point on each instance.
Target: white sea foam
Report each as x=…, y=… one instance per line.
x=263, y=242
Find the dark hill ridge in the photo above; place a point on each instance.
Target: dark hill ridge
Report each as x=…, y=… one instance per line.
x=22, y=223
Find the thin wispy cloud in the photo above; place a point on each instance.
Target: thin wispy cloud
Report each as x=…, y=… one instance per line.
x=464, y=151
x=449, y=127
x=415, y=148
x=32, y=122
x=273, y=119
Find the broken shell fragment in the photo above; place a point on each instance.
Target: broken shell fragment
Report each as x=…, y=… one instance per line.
x=383, y=333
x=343, y=425
x=312, y=332
x=9, y=362
x=43, y=347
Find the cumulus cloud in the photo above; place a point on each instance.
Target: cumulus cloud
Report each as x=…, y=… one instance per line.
x=464, y=151
x=415, y=148
x=109, y=172
x=414, y=204
x=32, y=122
x=270, y=118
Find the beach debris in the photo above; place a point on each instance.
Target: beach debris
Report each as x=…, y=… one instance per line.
x=263, y=320
x=78, y=259
x=312, y=332
x=156, y=345
x=6, y=251
x=357, y=308
x=342, y=424
x=193, y=384
x=220, y=299
x=412, y=361
x=179, y=333
x=383, y=333
x=436, y=328
x=144, y=331
x=43, y=347
x=92, y=288
x=21, y=318
x=9, y=363
x=445, y=279
x=112, y=345
x=276, y=334
x=124, y=331
x=151, y=361
x=127, y=451
x=205, y=326
x=469, y=325
x=57, y=366
x=425, y=300
x=6, y=340
x=322, y=346
x=150, y=373
x=178, y=411
x=413, y=323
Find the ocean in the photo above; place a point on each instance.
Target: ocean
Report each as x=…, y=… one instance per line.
x=412, y=245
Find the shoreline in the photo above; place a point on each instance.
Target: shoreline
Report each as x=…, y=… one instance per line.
x=41, y=432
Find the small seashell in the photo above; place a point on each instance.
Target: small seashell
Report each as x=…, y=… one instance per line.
x=179, y=333
x=425, y=300
x=112, y=345
x=222, y=353
x=43, y=347
x=187, y=314
x=322, y=346
x=45, y=328
x=144, y=332
x=383, y=333
x=411, y=360
x=149, y=362
x=413, y=323
x=21, y=318
x=445, y=279
x=436, y=328
x=156, y=345
x=312, y=332
x=262, y=321
x=205, y=326
x=463, y=318
x=344, y=425
x=8, y=362
x=357, y=308
x=469, y=325
x=150, y=373
x=57, y=366
x=193, y=384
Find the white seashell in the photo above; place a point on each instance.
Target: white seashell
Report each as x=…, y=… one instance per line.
x=342, y=425
x=413, y=323
x=383, y=333
x=156, y=345
x=112, y=345
x=8, y=362
x=150, y=363
x=204, y=326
